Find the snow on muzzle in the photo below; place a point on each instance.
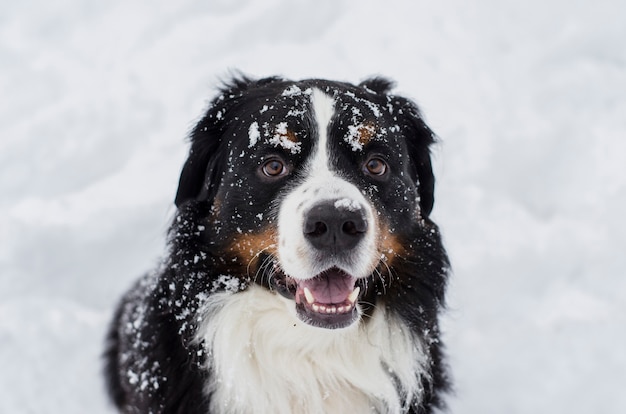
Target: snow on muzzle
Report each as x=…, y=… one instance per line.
x=333, y=229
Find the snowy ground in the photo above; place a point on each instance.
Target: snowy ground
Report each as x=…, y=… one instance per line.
x=529, y=99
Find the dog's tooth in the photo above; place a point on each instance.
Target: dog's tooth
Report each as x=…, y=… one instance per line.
x=315, y=307
x=340, y=309
x=354, y=295
x=322, y=308
x=308, y=295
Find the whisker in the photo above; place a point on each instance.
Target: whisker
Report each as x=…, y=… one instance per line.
x=256, y=256
x=390, y=272
x=265, y=269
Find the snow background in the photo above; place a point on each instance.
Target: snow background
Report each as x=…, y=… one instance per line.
x=529, y=99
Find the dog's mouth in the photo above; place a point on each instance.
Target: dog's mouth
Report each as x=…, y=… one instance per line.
x=328, y=300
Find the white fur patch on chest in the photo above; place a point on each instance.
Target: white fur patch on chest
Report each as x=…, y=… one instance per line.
x=264, y=360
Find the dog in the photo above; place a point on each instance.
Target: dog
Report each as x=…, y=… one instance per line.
x=304, y=274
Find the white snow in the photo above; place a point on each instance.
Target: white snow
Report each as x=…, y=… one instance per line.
x=293, y=90
x=253, y=134
x=347, y=204
x=225, y=282
x=281, y=138
x=355, y=133
x=529, y=99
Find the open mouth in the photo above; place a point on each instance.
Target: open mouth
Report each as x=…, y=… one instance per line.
x=327, y=301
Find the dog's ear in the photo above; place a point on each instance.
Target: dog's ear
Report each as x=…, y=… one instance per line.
x=419, y=140
x=199, y=177
x=378, y=85
x=202, y=172
x=199, y=174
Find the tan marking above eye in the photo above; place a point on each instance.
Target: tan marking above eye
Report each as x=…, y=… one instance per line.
x=366, y=132
x=281, y=130
x=290, y=135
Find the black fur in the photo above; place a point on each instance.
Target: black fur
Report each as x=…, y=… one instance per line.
x=153, y=364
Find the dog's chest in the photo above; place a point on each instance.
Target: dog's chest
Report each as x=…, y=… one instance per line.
x=262, y=359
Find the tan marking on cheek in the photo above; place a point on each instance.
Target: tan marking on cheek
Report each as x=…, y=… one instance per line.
x=248, y=247
x=389, y=246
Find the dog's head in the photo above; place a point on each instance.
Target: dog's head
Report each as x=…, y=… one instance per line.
x=312, y=188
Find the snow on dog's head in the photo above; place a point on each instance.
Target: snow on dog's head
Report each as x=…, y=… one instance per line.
x=304, y=273
x=312, y=188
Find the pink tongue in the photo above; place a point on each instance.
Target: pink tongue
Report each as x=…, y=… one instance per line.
x=332, y=286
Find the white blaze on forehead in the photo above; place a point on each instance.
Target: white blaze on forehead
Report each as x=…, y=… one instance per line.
x=321, y=182
x=323, y=109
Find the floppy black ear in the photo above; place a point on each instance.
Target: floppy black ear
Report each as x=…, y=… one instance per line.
x=199, y=172
x=419, y=140
x=200, y=176
x=424, y=170
x=202, y=172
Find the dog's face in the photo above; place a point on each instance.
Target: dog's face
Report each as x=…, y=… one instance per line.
x=313, y=187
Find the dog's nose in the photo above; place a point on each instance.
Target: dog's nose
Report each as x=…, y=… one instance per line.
x=335, y=226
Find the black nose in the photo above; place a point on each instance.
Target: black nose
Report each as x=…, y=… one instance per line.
x=334, y=226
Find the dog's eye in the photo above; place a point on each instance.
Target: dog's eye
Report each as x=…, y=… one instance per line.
x=274, y=168
x=375, y=166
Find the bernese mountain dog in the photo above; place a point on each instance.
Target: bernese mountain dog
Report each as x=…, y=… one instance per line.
x=304, y=274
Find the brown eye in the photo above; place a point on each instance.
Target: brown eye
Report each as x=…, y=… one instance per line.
x=376, y=166
x=274, y=168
